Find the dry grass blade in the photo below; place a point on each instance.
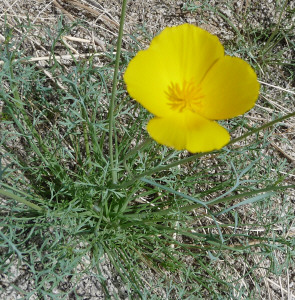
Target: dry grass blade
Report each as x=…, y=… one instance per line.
x=63, y=10
x=60, y=57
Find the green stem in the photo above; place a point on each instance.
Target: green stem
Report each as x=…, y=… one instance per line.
x=198, y=155
x=85, y=134
x=269, y=124
x=209, y=203
x=21, y=200
x=114, y=91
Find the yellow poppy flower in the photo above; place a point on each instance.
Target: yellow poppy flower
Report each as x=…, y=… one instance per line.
x=187, y=82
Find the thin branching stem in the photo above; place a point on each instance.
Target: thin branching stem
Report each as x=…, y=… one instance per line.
x=114, y=92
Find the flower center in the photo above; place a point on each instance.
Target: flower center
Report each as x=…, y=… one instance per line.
x=185, y=96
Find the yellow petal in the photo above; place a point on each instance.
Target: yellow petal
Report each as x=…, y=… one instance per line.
x=230, y=88
x=188, y=131
x=177, y=54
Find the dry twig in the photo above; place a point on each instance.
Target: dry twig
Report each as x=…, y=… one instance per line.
x=64, y=11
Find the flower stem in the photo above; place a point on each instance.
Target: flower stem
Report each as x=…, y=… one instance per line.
x=114, y=91
x=269, y=124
